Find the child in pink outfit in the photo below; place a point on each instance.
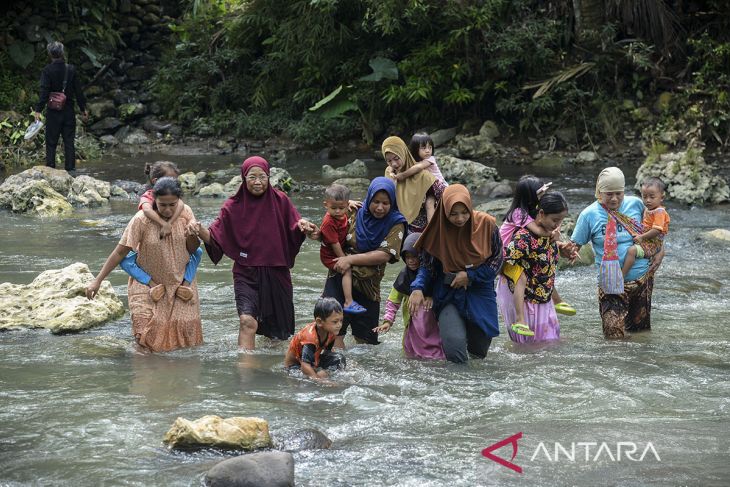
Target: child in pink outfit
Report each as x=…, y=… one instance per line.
x=421, y=148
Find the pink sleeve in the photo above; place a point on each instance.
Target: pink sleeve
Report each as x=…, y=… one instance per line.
x=391, y=309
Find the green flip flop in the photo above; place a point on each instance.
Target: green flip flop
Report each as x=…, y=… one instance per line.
x=564, y=309
x=522, y=329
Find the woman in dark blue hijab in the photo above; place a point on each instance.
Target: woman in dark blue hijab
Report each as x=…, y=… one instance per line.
x=374, y=239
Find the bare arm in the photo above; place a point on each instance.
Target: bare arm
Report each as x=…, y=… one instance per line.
x=119, y=252
x=165, y=227
x=337, y=249
x=414, y=169
x=535, y=228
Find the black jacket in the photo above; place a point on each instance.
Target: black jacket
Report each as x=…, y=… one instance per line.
x=52, y=80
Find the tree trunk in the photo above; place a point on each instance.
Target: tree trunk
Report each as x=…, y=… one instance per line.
x=589, y=15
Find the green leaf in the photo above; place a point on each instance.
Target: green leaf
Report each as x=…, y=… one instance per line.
x=22, y=53
x=93, y=57
x=339, y=108
x=326, y=99
x=383, y=68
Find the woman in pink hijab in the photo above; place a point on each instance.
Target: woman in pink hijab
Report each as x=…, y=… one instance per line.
x=261, y=231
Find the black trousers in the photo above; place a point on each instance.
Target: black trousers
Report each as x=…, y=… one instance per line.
x=61, y=123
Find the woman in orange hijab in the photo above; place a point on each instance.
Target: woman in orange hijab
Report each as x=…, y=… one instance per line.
x=466, y=254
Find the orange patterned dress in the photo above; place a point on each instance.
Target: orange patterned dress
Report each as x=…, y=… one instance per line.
x=169, y=323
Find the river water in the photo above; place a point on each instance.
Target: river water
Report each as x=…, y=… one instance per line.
x=84, y=409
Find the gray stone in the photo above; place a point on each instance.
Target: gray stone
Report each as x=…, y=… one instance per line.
x=118, y=192
x=109, y=140
x=586, y=258
x=87, y=191
x=264, y=469
x=153, y=125
x=131, y=187
x=474, y=146
x=58, y=179
x=496, y=208
x=469, y=173
x=305, y=439
x=495, y=189
x=586, y=157
x=136, y=137
x=235, y=433
x=355, y=169
x=489, y=130
x=717, y=235
x=688, y=178
x=355, y=184
x=442, y=136
x=280, y=178
x=188, y=183
x=101, y=109
x=215, y=190
x=231, y=187
x=106, y=125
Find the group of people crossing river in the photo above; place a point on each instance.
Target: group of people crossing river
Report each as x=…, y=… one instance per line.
x=461, y=271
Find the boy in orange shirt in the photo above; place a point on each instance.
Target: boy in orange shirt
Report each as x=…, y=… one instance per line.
x=655, y=224
x=311, y=348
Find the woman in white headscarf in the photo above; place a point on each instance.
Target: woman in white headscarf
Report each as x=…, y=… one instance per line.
x=608, y=223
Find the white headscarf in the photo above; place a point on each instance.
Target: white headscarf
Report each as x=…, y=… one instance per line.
x=611, y=179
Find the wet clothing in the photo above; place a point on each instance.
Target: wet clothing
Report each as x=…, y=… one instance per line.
x=421, y=338
x=266, y=294
x=538, y=258
x=419, y=223
x=169, y=323
x=629, y=311
x=60, y=123
x=362, y=324
x=333, y=231
x=306, y=346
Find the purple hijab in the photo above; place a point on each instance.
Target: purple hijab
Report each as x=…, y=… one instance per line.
x=370, y=231
x=258, y=231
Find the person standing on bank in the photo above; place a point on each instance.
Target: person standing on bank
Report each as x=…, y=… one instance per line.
x=59, y=77
x=463, y=255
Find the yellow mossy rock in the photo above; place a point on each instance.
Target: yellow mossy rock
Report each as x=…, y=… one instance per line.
x=236, y=433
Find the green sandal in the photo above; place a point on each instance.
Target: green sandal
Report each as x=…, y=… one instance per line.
x=564, y=309
x=522, y=329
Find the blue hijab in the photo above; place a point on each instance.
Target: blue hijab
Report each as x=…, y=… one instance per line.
x=370, y=231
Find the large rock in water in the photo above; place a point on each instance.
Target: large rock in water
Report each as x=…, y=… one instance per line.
x=236, y=433
x=355, y=169
x=688, y=178
x=304, y=439
x=469, y=173
x=717, y=235
x=263, y=469
x=56, y=300
x=87, y=191
x=33, y=196
x=58, y=179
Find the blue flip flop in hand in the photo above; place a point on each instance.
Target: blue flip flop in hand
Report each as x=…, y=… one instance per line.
x=355, y=308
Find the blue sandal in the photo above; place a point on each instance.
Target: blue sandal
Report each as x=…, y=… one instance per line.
x=355, y=309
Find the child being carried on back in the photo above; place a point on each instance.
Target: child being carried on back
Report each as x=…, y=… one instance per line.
x=155, y=171
x=334, y=232
x=422, y=150
x=522, y=214
x=311, y=349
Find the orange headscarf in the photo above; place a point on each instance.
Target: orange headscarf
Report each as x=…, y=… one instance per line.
x=458, y=248
x=411, y=192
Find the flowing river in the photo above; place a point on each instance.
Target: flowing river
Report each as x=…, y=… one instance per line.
x=85, y=409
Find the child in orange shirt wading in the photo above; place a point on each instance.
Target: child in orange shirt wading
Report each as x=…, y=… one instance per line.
x=311, y=349
x=655, y=224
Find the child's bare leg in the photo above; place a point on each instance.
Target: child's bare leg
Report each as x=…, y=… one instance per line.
x=347, y=287
x=519, y=298
x=629, y=260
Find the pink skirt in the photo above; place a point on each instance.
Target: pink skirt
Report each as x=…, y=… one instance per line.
x=421, y=338
x=541, y=318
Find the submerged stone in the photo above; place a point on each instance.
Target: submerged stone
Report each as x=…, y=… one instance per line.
x=264, y=469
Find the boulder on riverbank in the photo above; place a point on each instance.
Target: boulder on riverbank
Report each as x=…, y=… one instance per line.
x=688, y=178
x=236, y=433
x=355, y=169
x=278, y=178
x=56, y=300
x=47, y=192
x=263, y=469
x=719, y=235
x=471, y=174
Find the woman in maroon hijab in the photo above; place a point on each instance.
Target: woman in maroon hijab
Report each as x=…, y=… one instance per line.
x=261, y=231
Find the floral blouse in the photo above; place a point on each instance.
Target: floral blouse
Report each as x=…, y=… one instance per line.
x=539, y=259
x=366, y=279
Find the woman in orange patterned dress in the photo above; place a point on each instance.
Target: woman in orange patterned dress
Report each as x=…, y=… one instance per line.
x=162, y=318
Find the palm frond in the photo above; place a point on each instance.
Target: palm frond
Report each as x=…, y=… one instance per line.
x=563, y=76
x=652, y=20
